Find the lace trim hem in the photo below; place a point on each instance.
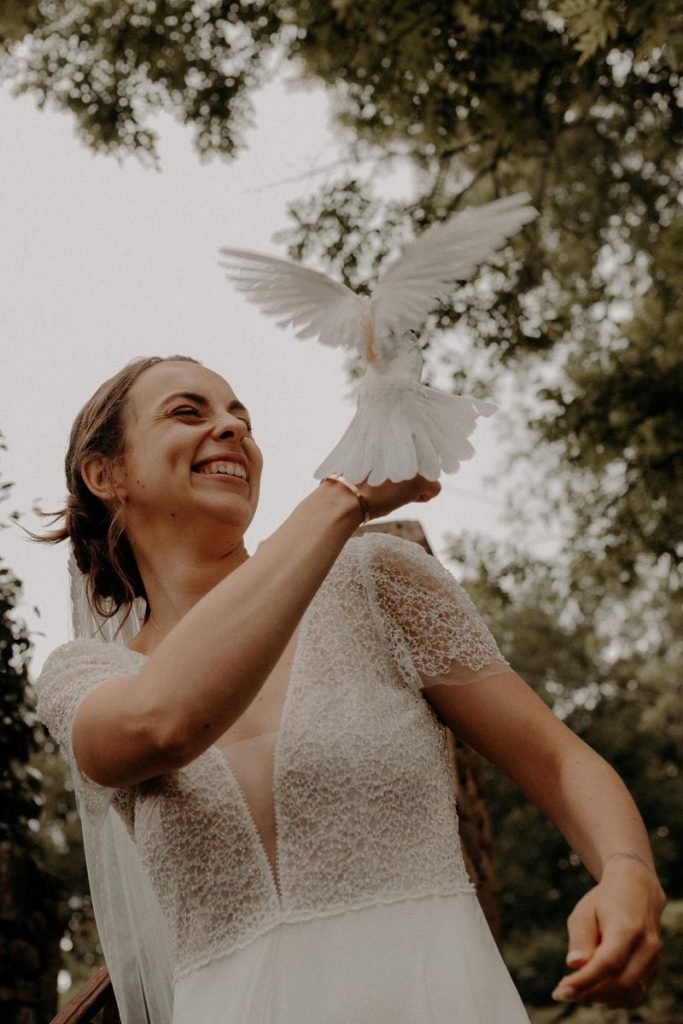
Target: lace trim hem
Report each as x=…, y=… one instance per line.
x=194, y=963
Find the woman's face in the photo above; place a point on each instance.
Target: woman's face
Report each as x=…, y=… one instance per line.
x=188, y=452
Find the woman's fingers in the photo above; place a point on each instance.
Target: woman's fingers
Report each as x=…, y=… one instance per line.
x=388, y=496
x=614, y=937
x=624, y=996
x=607, y=962
x=619, y=974
x=624, y=908
x=631, y=991
x=627, y=988
x=632, y=985
x=429, y=490
x=584, y=935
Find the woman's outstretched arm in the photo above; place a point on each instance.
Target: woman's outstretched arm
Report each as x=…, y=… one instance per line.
x=211, y=665
x=614, y=939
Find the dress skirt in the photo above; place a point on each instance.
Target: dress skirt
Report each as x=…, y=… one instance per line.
x=428, y=960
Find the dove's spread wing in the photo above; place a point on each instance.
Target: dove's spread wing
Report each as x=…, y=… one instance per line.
x=311, y=301
x=449, y=251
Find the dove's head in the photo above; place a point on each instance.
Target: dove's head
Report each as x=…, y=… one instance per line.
x=161, y=464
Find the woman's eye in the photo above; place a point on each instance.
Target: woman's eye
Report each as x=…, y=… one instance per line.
x=188, y=410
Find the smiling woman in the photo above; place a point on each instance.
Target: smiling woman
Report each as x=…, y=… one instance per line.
x=265, y=790
x=183, y=428
x=228, y=463
x=131, y=411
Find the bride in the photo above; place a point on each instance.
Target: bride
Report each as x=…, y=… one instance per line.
x=262, y=769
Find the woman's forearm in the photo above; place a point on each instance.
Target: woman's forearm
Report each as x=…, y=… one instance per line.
x=211, y=665
x=594, y=810
x=233, y=637
x=569, y=781
x=614, y=941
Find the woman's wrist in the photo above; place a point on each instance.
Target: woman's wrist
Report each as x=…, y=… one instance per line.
x=620, y=860
x=331, y=498
x=634, y=871
x=341, y=481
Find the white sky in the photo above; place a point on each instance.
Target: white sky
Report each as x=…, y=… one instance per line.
x=101, y=262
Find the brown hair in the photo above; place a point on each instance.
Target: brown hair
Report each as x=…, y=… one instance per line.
x=95, y=528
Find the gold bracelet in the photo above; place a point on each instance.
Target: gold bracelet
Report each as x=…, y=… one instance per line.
x=365, y=508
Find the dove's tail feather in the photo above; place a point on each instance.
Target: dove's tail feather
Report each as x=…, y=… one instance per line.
x=404, y=429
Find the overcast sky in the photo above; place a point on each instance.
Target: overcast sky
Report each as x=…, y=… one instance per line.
x=102, y=262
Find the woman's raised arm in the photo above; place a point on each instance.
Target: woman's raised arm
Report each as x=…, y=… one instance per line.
x=211, y=665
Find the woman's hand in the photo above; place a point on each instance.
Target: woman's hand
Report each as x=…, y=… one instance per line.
x=614, y=938
x=388, y=496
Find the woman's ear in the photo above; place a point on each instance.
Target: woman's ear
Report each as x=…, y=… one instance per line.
x=98, y=476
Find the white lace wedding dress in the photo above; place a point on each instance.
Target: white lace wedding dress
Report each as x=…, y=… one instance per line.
x=314, y=875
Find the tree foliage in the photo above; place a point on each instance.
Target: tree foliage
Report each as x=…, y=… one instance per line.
x=39, y=824
x=61, y=845
x=114, y=64
x=19, y=783
x=31, y=919
x=584, y=308
x=578, y=101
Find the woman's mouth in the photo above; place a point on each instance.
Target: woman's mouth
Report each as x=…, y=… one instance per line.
x=221, y=467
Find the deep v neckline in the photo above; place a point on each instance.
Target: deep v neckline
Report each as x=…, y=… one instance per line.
x=218, y=753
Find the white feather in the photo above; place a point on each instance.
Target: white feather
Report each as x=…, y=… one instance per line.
x=450, y=251
x=311, y=301
x=401, y=428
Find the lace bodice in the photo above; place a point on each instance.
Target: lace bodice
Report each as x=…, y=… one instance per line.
x=348, y=804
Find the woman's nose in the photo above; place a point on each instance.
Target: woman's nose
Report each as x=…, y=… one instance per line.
x=233, y=427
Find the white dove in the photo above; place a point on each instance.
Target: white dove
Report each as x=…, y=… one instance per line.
x=401, y=427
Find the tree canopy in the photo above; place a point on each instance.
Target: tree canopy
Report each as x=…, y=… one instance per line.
x=114, y=64
x=581, y=104
x=577, y=101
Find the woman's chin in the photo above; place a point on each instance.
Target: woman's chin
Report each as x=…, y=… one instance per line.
x=232, y=510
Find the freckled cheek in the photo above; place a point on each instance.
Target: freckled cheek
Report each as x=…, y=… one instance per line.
x=154, y=477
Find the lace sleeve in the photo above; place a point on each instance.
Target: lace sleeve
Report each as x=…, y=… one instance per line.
x=69, y=674
x=430, y=622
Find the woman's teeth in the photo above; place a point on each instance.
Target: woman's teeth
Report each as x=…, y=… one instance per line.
x=223, y=469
